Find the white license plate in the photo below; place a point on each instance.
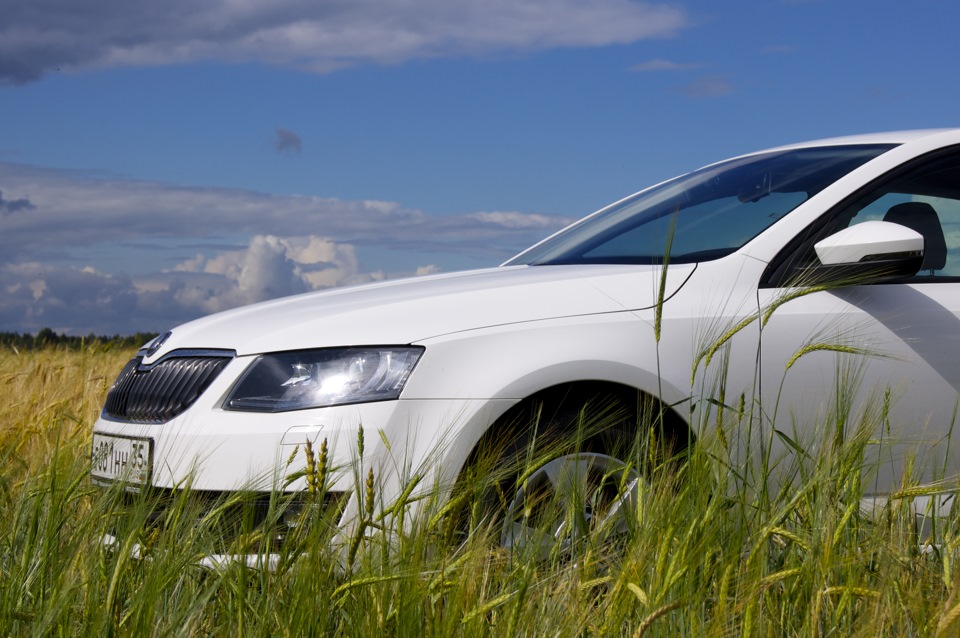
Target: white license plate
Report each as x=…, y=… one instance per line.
x=121, y=458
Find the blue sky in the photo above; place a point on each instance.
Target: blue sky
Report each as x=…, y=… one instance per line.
x=160, y=161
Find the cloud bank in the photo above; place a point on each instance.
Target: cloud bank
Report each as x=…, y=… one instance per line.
x=314, y=35
x=222, y=248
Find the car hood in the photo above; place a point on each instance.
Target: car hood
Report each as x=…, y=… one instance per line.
x=410, y=310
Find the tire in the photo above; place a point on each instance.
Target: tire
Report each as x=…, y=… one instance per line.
x=556, y=471
x=565, y=500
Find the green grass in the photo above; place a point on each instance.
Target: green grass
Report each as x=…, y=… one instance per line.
x=716, y=547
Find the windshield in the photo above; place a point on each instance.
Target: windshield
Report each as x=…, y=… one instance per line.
x=709, y=213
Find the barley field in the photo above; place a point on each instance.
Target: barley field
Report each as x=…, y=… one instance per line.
x=709, y=548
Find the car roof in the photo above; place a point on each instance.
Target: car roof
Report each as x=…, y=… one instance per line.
x=889, y=137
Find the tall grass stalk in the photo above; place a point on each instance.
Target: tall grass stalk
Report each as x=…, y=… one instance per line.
x=698, y=551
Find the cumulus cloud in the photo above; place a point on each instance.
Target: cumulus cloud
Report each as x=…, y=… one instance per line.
x=320, y=36
x=270, y=267
x=84, y=300
x=268, y=272
x=287, y=141
x=234, y=247
x=73, y=300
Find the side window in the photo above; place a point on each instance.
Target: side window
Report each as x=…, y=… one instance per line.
x=926, y=198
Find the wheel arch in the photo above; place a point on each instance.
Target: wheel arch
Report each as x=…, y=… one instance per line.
x=642, y=406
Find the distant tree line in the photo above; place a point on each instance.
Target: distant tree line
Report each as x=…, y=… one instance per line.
x=47, y=338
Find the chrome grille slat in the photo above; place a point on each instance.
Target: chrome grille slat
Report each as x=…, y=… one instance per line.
x=168, y=389
x=164, y=390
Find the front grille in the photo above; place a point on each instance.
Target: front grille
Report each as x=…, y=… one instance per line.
x=160, y=392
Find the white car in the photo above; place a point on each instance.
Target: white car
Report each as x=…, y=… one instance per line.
x=662, y=300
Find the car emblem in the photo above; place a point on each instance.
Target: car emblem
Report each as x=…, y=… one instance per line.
x=157, y=343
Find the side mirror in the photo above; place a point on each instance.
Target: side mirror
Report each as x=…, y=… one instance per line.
x=869, y=252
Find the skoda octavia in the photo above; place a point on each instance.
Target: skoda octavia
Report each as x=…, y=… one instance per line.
x=760, y=277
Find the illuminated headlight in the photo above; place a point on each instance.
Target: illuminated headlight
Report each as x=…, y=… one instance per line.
x=317, y=378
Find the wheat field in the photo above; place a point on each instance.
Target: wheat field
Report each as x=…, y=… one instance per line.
x=706, y=552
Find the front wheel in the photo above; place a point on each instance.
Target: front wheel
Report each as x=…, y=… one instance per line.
x=563, y=465
x=565, y=499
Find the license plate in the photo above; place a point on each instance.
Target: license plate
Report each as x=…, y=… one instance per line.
x=121, y=458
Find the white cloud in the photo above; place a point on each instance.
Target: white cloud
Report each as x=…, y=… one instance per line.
x=269, y=267
x=72, y=209
x=320, y=250
x=65, y=299
x=662, y=65
x=428, y=270
x=268, y=272
x=84, y=300
x=513, y=219
x=312, y=35
x=194, y=264
x=225, y=247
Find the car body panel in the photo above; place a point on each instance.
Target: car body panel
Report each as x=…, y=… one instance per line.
x=905, y=340
x=409, y=310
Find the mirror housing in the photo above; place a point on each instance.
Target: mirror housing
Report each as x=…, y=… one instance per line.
x=868, y=253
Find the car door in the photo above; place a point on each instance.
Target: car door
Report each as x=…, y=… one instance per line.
x=880, y=355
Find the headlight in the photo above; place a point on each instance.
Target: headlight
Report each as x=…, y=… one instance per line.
x=317, y=378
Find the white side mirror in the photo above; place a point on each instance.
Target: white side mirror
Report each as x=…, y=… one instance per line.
x=869, y=241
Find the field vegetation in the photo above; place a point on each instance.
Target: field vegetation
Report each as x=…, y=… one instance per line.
x=710, y=547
